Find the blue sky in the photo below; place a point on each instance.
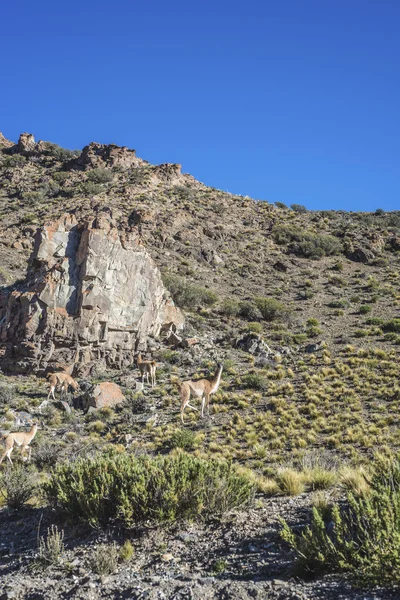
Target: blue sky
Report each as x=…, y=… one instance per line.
x=294, y=101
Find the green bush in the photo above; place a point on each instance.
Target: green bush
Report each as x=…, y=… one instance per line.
x=270, y=308
x=183, y=438
x=248, y=310
x=306, y=243
x=364, y=309
x=254, y=381
x=188, y=295
x=100, y=175
x=393, y=325
x=17, y=486
x=363, y=536
x=299, y=208
x=229, y=307
x=136, y=489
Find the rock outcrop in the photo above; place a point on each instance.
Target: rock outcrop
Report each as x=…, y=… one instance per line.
x=107, y=155
x=92, y=297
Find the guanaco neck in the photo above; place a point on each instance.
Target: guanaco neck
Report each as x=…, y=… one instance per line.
x=33, y=431
x=217, y=378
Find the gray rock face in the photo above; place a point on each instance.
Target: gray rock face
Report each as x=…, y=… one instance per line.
x=92, y=296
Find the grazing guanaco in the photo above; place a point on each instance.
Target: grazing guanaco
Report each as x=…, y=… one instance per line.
x=147, y=368
x=19, y=438
x=63, y=381
x=202, y=388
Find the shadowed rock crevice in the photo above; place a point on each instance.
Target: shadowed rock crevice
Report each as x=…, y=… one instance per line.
x=92, y=296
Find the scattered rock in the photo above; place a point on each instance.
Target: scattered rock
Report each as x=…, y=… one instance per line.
x=105, y=394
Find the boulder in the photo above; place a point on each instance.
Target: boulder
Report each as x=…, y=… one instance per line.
x=92, y=296
x=253, y=343
x=105, y=394
x=363, y=255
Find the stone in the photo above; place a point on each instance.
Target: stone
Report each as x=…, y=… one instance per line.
x=254, y=344
x=106, y=155
x=363, y=255
x=92, y=296
x=105, y=394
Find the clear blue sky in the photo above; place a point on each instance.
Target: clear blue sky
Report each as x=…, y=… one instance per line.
x=295, y=101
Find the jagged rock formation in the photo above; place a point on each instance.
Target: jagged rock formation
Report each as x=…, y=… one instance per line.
x=92, y=296
x=107, y=155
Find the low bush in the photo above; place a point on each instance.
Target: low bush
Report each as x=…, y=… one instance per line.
x=100, y=175
x=248, y=310
x=363, y=536
x=51, y=547
x=270, y=308
x=306, y=243
x=17, y=486
x=393, y=325
x=230, y=307
x=104, y=560
x=135, y=489
x=183, y=438
x=186, y=294
x=254, y=381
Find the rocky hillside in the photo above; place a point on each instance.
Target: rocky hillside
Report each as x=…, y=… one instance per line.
x=102, y=255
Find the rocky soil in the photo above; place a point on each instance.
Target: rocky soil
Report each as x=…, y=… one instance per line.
x=99, y=252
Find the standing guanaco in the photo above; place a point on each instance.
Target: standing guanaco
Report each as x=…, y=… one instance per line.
x=19, y=438
x=202, y=388
x=62, y=380
x=146, y=368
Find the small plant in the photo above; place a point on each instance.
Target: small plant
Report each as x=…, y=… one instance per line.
x=126, y=551
x=104, y=560
x=51, y=547
x=183, y=438
x=290, y=482
x=100, y=175
x=270, y=308
x=364, y=309
x=219, y=566
x=254, y=381
x=17, y=486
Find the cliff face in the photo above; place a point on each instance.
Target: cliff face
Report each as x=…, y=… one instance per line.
x=92, y=296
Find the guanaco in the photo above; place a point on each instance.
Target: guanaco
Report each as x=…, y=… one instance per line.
x=202, y=388
x=63, y=381
x=20, y=439
x=146, y=368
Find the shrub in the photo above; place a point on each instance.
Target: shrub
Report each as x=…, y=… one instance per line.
x=270, y=308
x=254, y=327
x=338, y=303
x=135, y=489
x=188, y=295
x=249, y=311
x=17, y=486
x=364, y=309
x=230, y=307
x=127, y=551
x=100, y=175
x=59, y=153
x=393, y=325
x=89, y=188
x=183, y=438
x=254, y=381
x=299, y=208
x=6, y=394
x=46, y=454
x=280, y=205
x=291, y=482
x=51, y=548
x=364, y=535
x=104, y=559
x=306, y=243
